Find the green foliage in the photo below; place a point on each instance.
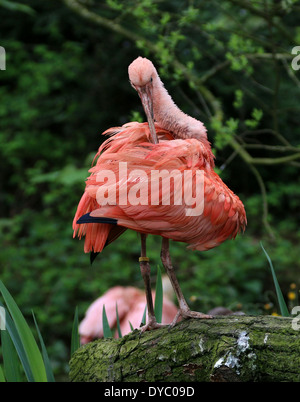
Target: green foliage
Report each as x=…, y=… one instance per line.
x=158, y=304
x=256, y=117
x=283, y=307
x=11, y=366
x=75, y=340
x=143, y=322
x=238, y=102
x=238, y=47
x=118, y=322
x=136, y=116
x=107, y=332
x=48, y=368
x=15, y=6
x=224, y=133
x=2, y=378
x=36, y=369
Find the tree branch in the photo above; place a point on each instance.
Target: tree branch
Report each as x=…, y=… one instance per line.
x=247, y=6
x=261, y=161
x=223, y=349
x=98, y=19
x=276, y=148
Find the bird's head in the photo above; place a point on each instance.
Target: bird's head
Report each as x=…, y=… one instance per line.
x=141, y=74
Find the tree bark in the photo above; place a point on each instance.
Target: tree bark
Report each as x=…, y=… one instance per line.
x=223, y=349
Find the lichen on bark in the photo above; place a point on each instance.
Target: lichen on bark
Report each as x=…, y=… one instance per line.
x=231, y=348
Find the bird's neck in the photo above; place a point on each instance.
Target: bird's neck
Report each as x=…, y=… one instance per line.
x=171, y=118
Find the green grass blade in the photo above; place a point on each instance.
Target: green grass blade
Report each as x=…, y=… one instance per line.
x=118, y=322
x=30, y=346
x=48, y=368
x=131, y=326
x=143, y=322
x=11, y=362
x=106, y=329
x=2, y=378
x=282, y=305
x=75, y=339
x=12, y=330
x=158, y=304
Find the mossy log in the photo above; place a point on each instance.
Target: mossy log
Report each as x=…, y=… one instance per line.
x=223, y=349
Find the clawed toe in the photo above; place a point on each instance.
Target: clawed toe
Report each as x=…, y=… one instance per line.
x=152, y=324
x=195, y=314
x=187, y=313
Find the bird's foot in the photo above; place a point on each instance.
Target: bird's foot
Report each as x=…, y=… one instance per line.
x=151, y=324
x=187, y=313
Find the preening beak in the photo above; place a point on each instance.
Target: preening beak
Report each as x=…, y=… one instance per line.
x=145, y=94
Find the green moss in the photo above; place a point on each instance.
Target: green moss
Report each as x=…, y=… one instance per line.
x=223, y=349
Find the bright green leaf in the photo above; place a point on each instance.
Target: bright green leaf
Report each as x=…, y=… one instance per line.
x=158, y=305
x=283, y=308
x=75, y=341
x=30, y=346
x=106, y=329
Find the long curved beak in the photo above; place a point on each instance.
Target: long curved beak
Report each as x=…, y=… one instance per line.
x=145, y=93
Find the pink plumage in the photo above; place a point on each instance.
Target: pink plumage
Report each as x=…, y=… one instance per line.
x=223, y=215
x=171, y=142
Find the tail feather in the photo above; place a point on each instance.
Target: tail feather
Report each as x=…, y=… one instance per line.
x=99, y=232
x=91, y=219
x=93, y=256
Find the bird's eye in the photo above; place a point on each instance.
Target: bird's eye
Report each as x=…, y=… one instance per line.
x=151, y=79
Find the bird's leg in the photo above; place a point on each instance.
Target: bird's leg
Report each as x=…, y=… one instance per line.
x=184, y=309
x=145, y=271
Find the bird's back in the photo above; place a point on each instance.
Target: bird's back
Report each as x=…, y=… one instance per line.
x=223, y=214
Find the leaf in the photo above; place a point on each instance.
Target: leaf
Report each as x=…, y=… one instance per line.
x=238, y=102
x=31, y=349
x=2, y=378
x=12, y=6
x=48, y=368
x=12, y=330
x=11, y=362
x=158, y=304
x=283, y=308
x=106, y=329
x=143, y=322
x=75, y=341
x=257, y=114
x=118, y=322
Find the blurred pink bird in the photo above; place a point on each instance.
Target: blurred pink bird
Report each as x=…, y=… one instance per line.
x=131, y=304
